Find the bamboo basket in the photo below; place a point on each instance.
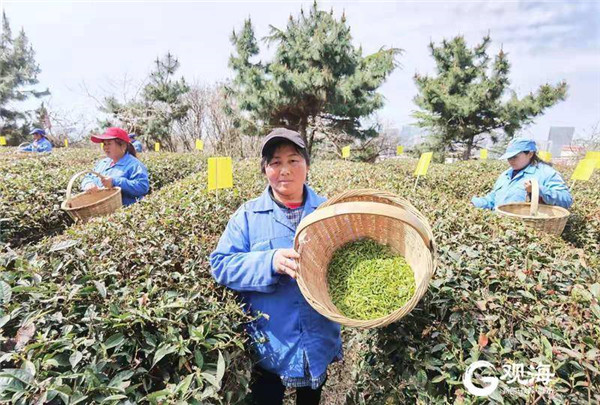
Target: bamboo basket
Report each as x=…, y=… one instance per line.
x=83, y=206
x=353, y=215
x=547, y=218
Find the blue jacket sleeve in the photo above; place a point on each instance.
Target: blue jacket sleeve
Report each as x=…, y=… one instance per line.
x=28, y=148
x=236, y=267
x=554, y=191
x=489, y=201
x=137, y=184
x=91, y=179
x=45, y=146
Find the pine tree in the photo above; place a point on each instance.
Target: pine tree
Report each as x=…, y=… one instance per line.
x=467, y=99
x=315, y=75
x=161, y=105
x=18, y=71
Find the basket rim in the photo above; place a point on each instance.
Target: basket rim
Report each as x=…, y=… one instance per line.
x=117, y=190
x=564, y=213
x=349, y=208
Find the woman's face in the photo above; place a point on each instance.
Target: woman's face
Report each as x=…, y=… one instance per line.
x=114, y=149
x=520, y=160
x=286, y=173
x=37, y=137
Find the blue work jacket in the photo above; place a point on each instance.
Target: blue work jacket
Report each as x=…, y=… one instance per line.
x=507, y=189
x=137, y=145
x=243, y=261
x=43, y=145
x=128, y=173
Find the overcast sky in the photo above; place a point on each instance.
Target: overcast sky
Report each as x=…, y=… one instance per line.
x=99, y=43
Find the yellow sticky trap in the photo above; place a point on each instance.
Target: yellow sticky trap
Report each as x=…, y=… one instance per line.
x=101, y=145
x=220, y=173
x=545, y=155
x=594, y=155
x=399, y=150
x=157, y=147
x=199, y=144
x=584, y=169
x=423, y=164
x=346, y=152
x=66, y=143
x=2, y=141
x=483, y=153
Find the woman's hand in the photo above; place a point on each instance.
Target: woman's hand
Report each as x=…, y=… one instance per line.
x=92, y=189
x=106, y=182
x=527, y=185
x=284, y=262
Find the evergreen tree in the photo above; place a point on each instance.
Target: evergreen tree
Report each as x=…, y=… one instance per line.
x=315, y=75
x=160, y=106
x=18, y=73
x=467, y=99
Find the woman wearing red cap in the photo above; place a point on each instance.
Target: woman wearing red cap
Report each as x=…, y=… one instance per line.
x=120, y=168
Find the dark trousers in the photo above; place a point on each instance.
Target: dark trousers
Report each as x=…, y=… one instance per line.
x=267, y=389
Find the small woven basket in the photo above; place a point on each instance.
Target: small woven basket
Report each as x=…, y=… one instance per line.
x=354, y=215
x=547, y=218
x=83, y=206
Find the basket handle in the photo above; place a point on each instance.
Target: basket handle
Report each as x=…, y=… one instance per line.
x=535, y=197
x=70, y=186
x=21, y=145
x=360, y=207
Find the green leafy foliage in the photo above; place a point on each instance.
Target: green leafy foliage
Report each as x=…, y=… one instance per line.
x=467, y=97
x=501, y=292
x=33, y=187
x=316, y=74
x=125, y=308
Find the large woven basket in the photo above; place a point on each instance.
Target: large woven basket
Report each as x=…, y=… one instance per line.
x=546, y=218
x=358, y=214
x=83, y=206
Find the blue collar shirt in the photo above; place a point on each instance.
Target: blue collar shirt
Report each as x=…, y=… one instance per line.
x=243, y=261
x=509, y=189
x=43, y=145
x=128, y=173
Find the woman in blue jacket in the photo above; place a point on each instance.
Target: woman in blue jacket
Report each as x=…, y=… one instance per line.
x=136, y=143
x=120, y=168
x=515, y=183
x=293, y=343
x=40, y=142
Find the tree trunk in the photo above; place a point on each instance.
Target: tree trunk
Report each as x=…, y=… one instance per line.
x=467, y=152
x=302, y=130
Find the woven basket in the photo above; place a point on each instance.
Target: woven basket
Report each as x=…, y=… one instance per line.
x=353, y=215
x=84, y=206
x=547, y=218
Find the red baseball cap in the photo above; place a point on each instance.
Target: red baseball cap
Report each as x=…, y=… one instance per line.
x=112, y=133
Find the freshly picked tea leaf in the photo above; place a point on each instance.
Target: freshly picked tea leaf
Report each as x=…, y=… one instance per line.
x=367, y=280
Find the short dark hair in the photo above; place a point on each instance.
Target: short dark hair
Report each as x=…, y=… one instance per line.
x=272, y=147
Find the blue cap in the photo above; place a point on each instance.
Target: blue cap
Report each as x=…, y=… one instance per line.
x=38, y=131
x=132, y=135
x=519, y=145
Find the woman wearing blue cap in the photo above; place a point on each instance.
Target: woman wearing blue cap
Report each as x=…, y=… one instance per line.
x=39, y=144
x=136, y=143
x=515, y=183
x=293, y=343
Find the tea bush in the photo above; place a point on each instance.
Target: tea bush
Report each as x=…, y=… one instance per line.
x=32, y=188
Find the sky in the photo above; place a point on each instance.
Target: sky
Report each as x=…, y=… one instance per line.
x=89, y=49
